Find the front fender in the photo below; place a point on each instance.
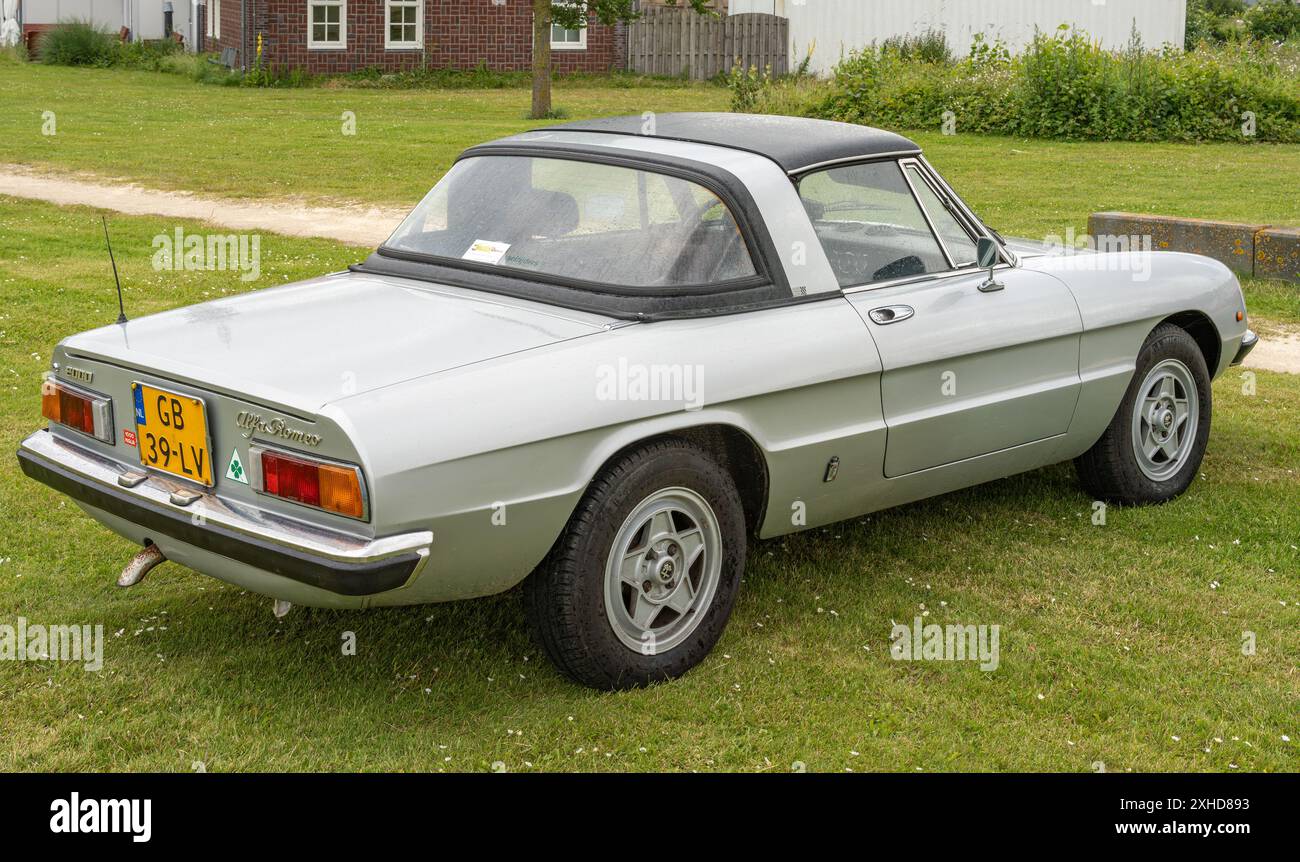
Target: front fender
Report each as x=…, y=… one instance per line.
x=1121, y=298
x=1128, y=291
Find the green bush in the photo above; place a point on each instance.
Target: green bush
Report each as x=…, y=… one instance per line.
x=928, y=47
x=1214, y=21
x=1071, y=88
x=81, y=43
x=1226, y=8
x=152, y=56
x=791, y=97
x=1274, y=20
x=1200, y=25
x=746, y=84
x=1063, y=86
x=77, y=43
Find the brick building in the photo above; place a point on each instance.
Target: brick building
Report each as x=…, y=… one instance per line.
x=332, y=36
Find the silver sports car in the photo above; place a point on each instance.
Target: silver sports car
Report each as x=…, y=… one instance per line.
x=598, y=359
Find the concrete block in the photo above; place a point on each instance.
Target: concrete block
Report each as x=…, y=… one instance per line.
x=1277, y=253
x=1230, y=243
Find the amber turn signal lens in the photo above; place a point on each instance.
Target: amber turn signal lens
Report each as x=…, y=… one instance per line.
x=1241, y=315
x=50, y=402
x=340, y=490
x=66, y=407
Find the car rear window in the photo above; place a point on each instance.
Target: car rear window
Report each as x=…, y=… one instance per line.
x=579, y=221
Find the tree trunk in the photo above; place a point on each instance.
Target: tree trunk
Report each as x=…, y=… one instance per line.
x=541, y=59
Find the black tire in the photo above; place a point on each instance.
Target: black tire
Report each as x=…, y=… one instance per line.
x=565, y=598
x=1111, y=470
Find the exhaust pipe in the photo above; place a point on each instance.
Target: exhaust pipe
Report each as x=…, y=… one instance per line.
x=141, y=564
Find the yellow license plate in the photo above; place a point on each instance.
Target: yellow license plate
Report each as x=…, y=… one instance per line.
x=172, y=433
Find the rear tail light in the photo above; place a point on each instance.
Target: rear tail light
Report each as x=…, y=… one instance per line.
x=81, y=411
x=322, y=484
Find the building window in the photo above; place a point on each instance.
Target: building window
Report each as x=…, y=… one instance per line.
x=214, y=19
x=404, y=19
x=327, y=23
x=568, y=40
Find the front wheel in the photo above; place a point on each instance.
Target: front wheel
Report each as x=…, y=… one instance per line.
x=641, y=584
x=1153, y=446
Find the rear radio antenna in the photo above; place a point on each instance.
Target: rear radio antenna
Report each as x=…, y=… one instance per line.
x=121, y=311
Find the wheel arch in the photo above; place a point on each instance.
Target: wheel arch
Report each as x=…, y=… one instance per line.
x=736, y=452
x=1203, y=331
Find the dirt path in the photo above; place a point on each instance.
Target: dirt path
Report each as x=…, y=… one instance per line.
x=357, y=225
x=1278, y=349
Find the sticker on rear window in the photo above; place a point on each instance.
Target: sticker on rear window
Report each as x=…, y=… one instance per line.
x=486, y=251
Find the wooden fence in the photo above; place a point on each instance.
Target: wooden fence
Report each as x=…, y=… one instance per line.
x=668, y=41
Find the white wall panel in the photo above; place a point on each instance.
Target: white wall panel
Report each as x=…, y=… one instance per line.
x=144, y=17
x=835, y=27
x=105, y=13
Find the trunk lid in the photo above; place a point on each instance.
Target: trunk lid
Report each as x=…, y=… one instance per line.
x=303, y=345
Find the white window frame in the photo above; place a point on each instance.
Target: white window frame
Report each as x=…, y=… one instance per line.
x=580, y=45
x=214, y=19
x=389, y=44
x=342, y=43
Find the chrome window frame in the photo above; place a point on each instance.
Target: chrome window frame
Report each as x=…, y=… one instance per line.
x=963, y=213
x=925, y=214
x=897, y=160
x=945, y=201
x=972, y=220
x=918, y=279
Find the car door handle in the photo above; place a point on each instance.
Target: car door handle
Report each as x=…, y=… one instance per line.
x=890, y=314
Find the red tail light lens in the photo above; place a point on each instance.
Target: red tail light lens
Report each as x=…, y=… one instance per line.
x=290, y=478
x=77, y=410
x=332, y=487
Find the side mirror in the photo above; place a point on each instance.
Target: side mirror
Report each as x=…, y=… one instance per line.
x=988, y=256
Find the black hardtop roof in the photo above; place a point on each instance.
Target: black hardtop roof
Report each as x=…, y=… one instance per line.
x=794, y=143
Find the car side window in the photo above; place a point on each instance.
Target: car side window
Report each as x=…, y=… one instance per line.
x=869, y=224
x=955, y=237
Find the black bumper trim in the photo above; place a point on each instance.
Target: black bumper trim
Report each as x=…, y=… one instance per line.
x=1248, y=342
x=335, y=576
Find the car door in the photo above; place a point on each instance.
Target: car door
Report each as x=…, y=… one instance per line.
x=971, y=364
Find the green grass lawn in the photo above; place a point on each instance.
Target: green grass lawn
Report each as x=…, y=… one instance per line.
x=1120, y=644
x=165, y=131
x=168, y=132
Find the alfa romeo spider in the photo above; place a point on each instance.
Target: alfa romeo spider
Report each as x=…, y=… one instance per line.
x=600, y=359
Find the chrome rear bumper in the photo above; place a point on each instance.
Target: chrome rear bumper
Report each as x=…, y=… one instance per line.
x=336, y=562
